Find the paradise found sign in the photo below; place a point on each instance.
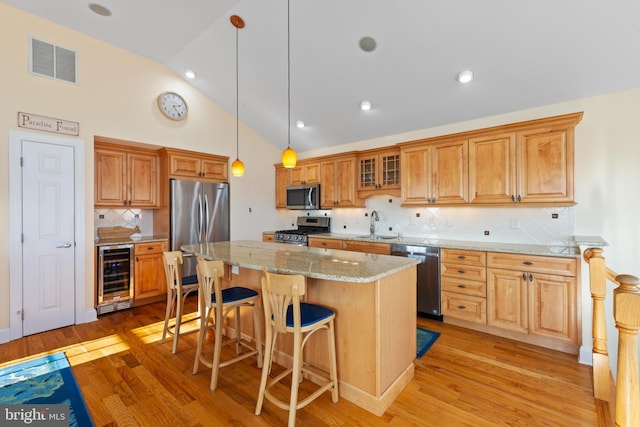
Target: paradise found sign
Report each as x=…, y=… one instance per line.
x=48, y=124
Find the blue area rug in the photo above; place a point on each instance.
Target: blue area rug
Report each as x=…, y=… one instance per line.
x=426, y=338
x=47, y=380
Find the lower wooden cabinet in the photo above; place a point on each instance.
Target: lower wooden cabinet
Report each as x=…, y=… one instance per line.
x=350, y=245
x=535, y=295
x=149, y=277
x=464, y=285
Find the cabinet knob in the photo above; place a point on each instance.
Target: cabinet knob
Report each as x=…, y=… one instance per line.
x=461, y=271
x=524, y=276
x=461, y=257
x=513, y=198
x=527, y=263
x=461, y=286
x=530, y=277
x=461, y=307
x=519, y=198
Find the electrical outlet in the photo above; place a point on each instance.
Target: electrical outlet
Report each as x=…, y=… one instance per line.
x=554, y=215
x=235, y=269
x=486, y=232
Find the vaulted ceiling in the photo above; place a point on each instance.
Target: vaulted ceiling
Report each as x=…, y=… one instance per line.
x=523, y=54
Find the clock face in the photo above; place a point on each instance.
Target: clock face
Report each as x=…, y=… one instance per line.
x=172, y=105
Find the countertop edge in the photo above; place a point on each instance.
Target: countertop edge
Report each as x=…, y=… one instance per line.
x=129, y=240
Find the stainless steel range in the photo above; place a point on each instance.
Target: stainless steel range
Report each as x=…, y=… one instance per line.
x=306, y=225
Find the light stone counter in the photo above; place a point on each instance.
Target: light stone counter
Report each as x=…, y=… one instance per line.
x=572, y=251
x=315, y=263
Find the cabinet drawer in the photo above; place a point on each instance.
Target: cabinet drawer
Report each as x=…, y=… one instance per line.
x=372, y=248
x=462, y=271
x=540, y=264
x=465, y=307
x=316, y=242
x=463, y=286
x=150, y=248
x=461, y=256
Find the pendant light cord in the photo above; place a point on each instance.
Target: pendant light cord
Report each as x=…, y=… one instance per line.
x=288, y=77
x=237, y=102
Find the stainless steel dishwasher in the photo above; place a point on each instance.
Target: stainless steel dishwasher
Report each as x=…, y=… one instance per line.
x=428, y=280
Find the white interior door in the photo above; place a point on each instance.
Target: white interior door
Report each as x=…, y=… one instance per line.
x=48, y=236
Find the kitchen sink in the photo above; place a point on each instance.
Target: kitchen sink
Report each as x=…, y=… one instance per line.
x=376, y=237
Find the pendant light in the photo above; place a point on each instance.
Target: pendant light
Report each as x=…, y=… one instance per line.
x=289, y=156
x=237, y=167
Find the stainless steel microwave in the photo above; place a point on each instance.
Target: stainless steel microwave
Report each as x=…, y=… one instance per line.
x=303, y=196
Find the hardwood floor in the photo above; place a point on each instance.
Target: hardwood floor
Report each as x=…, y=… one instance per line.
x=467, y=378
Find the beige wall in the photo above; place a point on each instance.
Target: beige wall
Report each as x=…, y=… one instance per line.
x=116, y=97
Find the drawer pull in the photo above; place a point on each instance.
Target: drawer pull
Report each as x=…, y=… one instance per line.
x=461, y=286
x=461, y=271
x=527, y=263
x=461, y=307
x=524, y=276
x=461, y=257
x=149, y=248
x=530, y=277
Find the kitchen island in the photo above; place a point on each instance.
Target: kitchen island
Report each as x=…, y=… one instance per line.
x=374, y=297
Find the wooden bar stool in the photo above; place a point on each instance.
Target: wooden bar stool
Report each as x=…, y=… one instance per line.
x=178, y=288
x=285, y=313
x=220, y=302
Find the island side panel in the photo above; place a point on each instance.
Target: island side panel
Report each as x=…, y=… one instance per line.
x=397, y=322
x=354, y=305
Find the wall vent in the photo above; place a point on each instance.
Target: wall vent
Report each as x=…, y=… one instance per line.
x=49, y=60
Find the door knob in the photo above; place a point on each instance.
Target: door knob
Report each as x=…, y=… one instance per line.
x=65, y=245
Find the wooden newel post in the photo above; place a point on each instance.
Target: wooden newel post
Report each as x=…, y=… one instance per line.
x=626, y=309
x=598, y=288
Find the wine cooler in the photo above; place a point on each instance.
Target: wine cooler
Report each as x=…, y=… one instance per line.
x=115, y=278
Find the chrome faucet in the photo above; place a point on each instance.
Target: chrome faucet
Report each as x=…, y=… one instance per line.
x=372, y=227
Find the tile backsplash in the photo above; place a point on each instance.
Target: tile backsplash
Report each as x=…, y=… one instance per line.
x=528, y=225
x=123, y=218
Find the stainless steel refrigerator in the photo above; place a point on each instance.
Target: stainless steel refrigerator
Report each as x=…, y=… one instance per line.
x=199, y=213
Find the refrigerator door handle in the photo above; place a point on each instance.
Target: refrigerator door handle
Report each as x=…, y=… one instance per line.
x=200, y=222
x=206, y=216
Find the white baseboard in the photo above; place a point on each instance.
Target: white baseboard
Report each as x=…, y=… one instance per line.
x=5, y=335
x=88, y=317
x=585, y=356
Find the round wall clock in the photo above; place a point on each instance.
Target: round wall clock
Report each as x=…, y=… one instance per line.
x=172, y=105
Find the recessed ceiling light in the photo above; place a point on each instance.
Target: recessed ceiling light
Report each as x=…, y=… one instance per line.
x=365, y=106
x=465, y=76
x=367, y=44
x=99, y=9
x=189, y=73
x=300, y=124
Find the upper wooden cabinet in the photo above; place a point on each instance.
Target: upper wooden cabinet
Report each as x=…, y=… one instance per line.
x=379, y=172
x=305, y=173
x=338, y=182
x=533, y=165
x=125, y=177
x=282, y=182
x=187, y=164
x=435, y=173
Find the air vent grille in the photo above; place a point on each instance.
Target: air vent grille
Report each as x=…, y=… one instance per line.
x=46, y=59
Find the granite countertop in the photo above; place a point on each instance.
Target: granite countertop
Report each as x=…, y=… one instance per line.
x=130, y=239
x=571, y=251
x=316, y=263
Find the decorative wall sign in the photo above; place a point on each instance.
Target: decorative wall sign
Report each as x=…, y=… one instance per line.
x=31, y=121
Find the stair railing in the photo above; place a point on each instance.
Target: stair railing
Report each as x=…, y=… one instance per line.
x=626, y=312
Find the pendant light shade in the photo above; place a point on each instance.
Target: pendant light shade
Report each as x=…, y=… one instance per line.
x=237, y=167
x=289, y=156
